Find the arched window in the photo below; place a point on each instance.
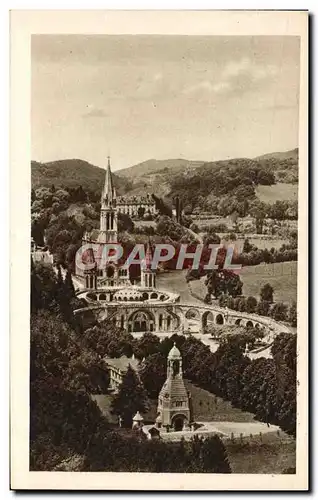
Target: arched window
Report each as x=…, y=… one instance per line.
x=168, y=321
x=160, y=320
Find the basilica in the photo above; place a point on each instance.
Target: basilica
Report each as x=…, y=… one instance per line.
x=110, y=284
x=113, y=274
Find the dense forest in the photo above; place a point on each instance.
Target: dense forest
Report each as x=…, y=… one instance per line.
x=67, y=368
x=73, y=173
x=216, y=185
x=199, y=183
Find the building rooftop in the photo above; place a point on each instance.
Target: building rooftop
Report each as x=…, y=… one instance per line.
x=174, y=353
x=175, y=389
x=137, y=417
x=122, y=363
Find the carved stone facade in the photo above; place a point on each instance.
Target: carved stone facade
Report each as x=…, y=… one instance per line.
x=174, y=402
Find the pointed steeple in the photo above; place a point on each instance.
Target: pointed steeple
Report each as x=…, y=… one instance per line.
x=109, y=193
x=148, y=255
x=148, y=275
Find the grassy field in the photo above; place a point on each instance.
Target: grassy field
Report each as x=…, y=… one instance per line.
x=271, y=456
x=210, y=408
x=175, y=281
x=280, y=191
x=254, y=240
x=259, y=242
x=281, y=275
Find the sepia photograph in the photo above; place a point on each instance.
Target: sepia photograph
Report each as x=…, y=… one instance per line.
x=165, y=324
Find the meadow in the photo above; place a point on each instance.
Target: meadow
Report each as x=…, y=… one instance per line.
x=279, y=191
x=282, y=276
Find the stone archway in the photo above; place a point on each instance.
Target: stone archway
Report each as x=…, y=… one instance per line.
x=192, y=314
x=207, y=317
x=141, y=321
x=249, y=324
x=110, y=271
x=238, y=321
x=178, y=421
x=219, y=320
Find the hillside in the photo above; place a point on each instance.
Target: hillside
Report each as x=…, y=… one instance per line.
x=73, y=173
x=166, y=178
x=155, y=166
x=293, y=153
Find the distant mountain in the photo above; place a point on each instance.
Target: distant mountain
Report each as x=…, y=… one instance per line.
x=293, y=153
x=157, y=176
x=73, y=173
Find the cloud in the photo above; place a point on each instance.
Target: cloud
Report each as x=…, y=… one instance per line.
x=236, y=77
x=94, y=112
x=235, y=68
x=207, y=86
x=157, y=77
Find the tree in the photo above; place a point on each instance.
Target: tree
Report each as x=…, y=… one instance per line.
x=247, y=246
x=279, y=311
x=131, y=397
x=62, y=374
x=147, y=345
x=251, y=304
x=125, y=223
x=258, y=210
x=37, y=231
x=167, y=227
x=153, y=373
x=211, y=239
x=223, y=281
x=214, y=457
x=263, y=308
x=292, y=314
x=69, y=286
x=267, y=292
x=43, y=287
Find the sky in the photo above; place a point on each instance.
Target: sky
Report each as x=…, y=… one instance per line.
x=137, y=97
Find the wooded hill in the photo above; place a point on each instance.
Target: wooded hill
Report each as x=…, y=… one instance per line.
x=167, y=178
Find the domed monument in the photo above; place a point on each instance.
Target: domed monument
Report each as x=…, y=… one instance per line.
x=174, y=400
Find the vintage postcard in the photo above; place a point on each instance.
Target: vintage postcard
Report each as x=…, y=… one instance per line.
x=159, y=250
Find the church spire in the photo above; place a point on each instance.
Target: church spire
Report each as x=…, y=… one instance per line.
x=148, y=275
x=148, y=259
x=108, y=194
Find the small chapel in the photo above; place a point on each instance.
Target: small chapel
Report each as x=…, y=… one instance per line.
x=174, y=403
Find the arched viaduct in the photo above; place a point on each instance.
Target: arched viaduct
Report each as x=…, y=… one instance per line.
x=176, y=317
